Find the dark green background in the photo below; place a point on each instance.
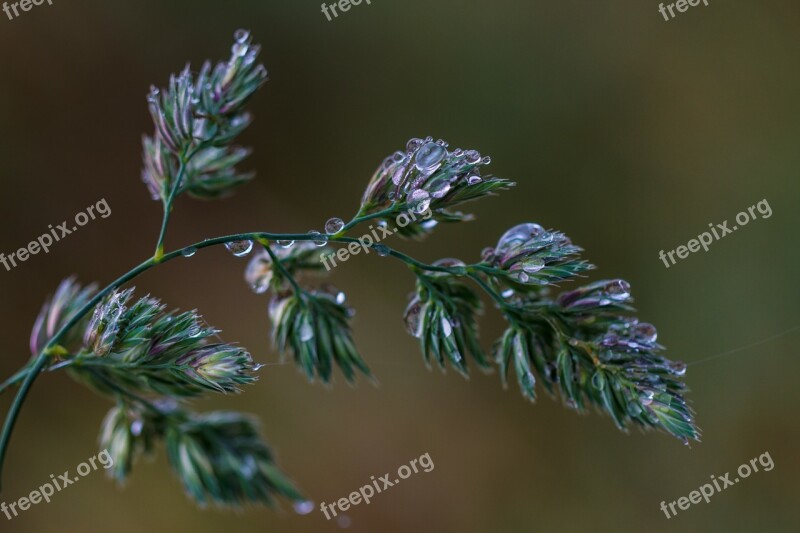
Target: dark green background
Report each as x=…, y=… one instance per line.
x=627, y=132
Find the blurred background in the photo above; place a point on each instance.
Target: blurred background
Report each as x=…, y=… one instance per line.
x=627, y=132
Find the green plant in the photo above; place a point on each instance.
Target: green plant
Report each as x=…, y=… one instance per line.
x=580, y=344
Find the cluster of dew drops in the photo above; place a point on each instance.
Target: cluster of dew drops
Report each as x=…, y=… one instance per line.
x=428, y=156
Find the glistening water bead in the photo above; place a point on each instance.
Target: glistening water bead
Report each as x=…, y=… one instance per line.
x=429, y=156
x=319, y=238
x=189, y=252
x=334, y=226
x=239, y=248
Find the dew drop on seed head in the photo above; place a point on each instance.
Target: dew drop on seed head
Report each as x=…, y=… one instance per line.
x=136, y=427
x=303, y=507
x=473, y=156
x=241, y=35
x=413, y=319
x=439, y=188
x=474, y=180
x=260, y=287
x=598, y=380
x=239, y=248
x=340, y=297
x=319, y=238
x=419, y=201
x=429, y=156
x=528, y=380
x=428, y=139
x=618, y=289
x=521, y=276
x=413, y=144
x=486, y=160
x=189, y=252
x=257, y=367
x=306, y=331
x=645, y=332
x=334, y=226
x=532, y=265
x=508, y=293
x=447, y=327
x=285, y=243
x=382, y=250
x=678, y=368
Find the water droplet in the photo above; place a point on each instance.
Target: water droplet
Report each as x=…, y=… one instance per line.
x=334, y=226
x=152, y=96
x=439, y=187
x=428, y=139
x=521, y=276
x=618, y=290
x=189, y=252
x=610, y=340
x=136, y=427
x=458, y=152
x=473, y=156
x=678, y=368
x=486, y=160
x=645, y=332
x=239, y=49
x=257, y=367
x=517, y=236
x=303, y=507
x=532, y=265
x=319, y=238
x=528, y=380
x=382, y=250
x=571, y=403
x=241, y=35
x=442, y=142
x=429, y=224
x=340, y=297
x=508, y=293
x=306, y=331
x=599, y=380
x=474, y=180
x=447, y=327
x=457, y=357
x=429, y=156
x=419, y=201
x=413, y=318
x=285, y=243
x=456, y=266
x=239, y=248
x=646, y=397
x=413, y=144
x=260, y=287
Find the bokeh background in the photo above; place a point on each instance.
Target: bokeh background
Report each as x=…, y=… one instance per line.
x=625, y=131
